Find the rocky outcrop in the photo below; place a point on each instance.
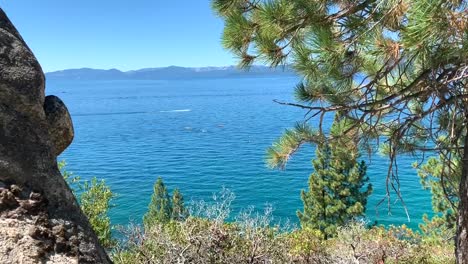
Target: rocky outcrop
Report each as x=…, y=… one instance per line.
x=60, y=124
x=34, y=129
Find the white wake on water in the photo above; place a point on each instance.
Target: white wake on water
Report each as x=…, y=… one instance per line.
x=176, y=111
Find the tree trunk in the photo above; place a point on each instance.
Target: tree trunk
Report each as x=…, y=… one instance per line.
x=461, y=250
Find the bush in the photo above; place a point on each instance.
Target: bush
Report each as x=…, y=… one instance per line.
x=207, y=237
x=95, y=202
x=94, y=197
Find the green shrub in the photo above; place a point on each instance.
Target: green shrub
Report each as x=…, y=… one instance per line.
x=94, y=197
x=207, y=237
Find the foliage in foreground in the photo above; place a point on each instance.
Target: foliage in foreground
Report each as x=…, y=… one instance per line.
x=94, y=197
x=391, y=71
x=336, y=192
x=162, y=208
x=206, y=237
x=442, y=177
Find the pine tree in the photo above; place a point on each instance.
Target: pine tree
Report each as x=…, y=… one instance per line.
x=179, y=212
x=336, y=191
x=442, y=181
x=159, y=208
x=395, y=71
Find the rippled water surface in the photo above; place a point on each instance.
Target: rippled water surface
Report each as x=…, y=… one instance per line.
x=200, y=135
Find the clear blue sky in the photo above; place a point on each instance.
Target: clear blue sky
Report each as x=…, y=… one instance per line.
x=120, y=34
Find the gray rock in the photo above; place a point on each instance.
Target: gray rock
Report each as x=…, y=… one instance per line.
x=33, y=131
x=60, y=123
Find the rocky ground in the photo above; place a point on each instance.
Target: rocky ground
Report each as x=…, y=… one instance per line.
x=28, y=235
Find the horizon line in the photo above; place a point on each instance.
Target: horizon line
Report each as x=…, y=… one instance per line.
x=162, y=67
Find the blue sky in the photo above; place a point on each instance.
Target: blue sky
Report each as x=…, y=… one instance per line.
x=120, y=34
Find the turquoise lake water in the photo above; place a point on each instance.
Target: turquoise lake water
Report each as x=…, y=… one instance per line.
x=201, y=135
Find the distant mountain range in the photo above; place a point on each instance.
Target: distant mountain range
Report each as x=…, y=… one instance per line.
x=167, y=73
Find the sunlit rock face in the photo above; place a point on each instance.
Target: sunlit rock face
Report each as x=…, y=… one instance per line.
x=34, y=129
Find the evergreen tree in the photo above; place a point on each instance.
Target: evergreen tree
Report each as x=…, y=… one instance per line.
x=159, y=208
x=395, y=71
x=179, y=212
x=336, y=190
x=442, y=181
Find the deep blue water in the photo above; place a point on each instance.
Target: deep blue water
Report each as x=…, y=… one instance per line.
x=200, y=135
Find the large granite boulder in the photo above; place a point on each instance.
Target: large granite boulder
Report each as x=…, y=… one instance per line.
x=34, y=129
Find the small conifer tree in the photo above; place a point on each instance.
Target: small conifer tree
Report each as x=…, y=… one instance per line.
x=441, y=176
x=159, y=209
x=337, y=191
x=179, y=212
